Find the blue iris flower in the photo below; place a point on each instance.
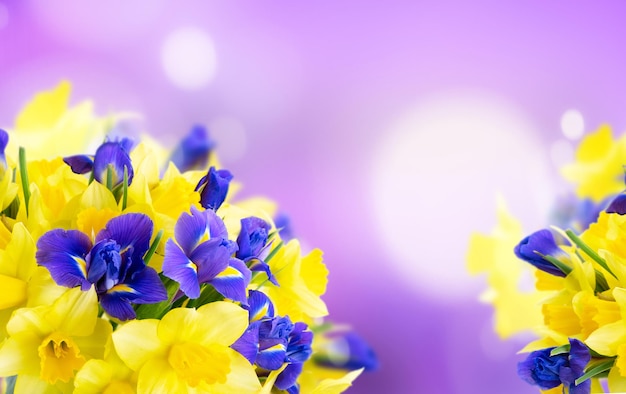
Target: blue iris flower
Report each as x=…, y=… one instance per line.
x=346, y=350
x=253, y=245
x=547, y=372
x=114, y=265
x=113, y=154
x=192, y=153
x=213, y=188
x=202, y=254
x=4, y=140
x=271, y=341
x=541, y=243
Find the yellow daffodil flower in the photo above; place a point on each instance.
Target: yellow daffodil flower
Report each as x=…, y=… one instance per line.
x=598, y=170
x=188, y=351
x=515, y=310
x=48, y=344
x=302, y=281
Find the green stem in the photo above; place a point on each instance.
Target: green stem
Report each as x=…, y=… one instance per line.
x=125, y=189
x=588, y=251
x=153, y=247
x=24, y=176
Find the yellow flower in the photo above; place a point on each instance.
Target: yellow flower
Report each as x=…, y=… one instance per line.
x=48, y=128
x=302, y=281
x=318, y=380
x=598, y=170
x=23, y=283
x=188, y=351
x=515, y=310
x=108, y=376
x=47, y=344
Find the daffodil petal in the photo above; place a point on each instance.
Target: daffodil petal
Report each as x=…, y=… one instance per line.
x=136, y=342
x=157, y=376
x=14, y=291
x=214, y=323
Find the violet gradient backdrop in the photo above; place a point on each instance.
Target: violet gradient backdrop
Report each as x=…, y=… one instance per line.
x=383, y=129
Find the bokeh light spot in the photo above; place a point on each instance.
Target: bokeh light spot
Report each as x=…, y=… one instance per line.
x=188, y=58
x=435, y=180
x=572, y=124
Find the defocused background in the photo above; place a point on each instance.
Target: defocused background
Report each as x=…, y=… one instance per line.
x=385, y=131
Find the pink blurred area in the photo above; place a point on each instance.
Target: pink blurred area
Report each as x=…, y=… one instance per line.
x=384, y=130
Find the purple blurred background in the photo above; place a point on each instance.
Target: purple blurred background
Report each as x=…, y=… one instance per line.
x=385, y=131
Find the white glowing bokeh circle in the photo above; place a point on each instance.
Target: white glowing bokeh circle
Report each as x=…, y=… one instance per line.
x=189, y=59
x=4, y=15
x=572, y=124
x=230, y=135
x=437, y=172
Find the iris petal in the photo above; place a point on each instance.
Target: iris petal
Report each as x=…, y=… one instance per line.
x=252, y=237
x=178, y=267
x=272, y=356
x=113, y=154
x=248, y=344
x=618, y=205
x=146, y=287
x=63, y=254
x=213, y=188
x=192, y=153
x=259, y=305
x=129, y=230
x=200, y=226
x=211, y=258
x=117, y=306
x=288, y=377
x=233, y=281
x=80, y=164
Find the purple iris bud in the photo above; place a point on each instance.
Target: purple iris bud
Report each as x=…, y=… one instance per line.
x=80, y=164
x=546, y=371
x=299, y=346
x=213, y=188
x=202, y=254
x=252, y=237
x=192, y=153
x=113, y=154
x=114, y=264
x=4, y=140
x=618, y=205
x=253, y=246
x=541, y=243
x=346, y=350
x=283, y=224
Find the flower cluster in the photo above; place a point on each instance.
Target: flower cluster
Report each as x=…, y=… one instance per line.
x=577, y=307
x=132, y=269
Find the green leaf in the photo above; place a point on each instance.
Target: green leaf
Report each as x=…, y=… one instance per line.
x=597, y=369
x=109, y=177
x=159, y=309
x=24, y=176
x=566, y=269
x=560, y=350
x=273, y=252
x=125, y=189
x=153, y=247
x=588, y=251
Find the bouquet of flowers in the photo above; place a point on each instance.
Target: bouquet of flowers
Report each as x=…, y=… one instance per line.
x=577, y=308
x=127, y=268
